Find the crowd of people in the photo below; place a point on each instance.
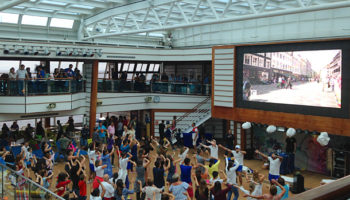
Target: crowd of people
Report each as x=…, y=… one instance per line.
x=115, y=153
x=13, y=83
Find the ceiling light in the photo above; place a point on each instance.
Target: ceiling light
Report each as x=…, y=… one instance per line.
x=99, y=52
x=25, y=50
x=58, y=52
x=84, y=52
x=16, y=49
x=69, y=52
x=91, y=54
x=46, y=51
x=75, y=52
x=6, y=50
x=35, y=51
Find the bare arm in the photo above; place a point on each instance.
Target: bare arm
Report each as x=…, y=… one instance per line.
x=261, y=154
x=224, y=148
x=280, y=195
x=205, y=146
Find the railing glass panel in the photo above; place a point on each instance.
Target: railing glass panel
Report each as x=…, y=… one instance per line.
x=15, y=186
x=40, y=87
x=115, y=86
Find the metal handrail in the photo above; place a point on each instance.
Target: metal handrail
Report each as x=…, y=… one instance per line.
x=194, y=108
x=30, y=181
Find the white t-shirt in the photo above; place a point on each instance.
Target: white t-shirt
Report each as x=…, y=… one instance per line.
x=95, y=198
x=238, y=156
x=214, y=151
x=274, y=166
x=212, y=181
x=25, y=150
x=92, y=156
x=257, y=190
x=231, y=174
x=21, y=73
x=247, y=192
x=99, y=171
x=149, y=190
x=109, y=189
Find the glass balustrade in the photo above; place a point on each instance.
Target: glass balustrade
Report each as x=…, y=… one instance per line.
x=40, y=87
x=15, y=186
x=106, y=85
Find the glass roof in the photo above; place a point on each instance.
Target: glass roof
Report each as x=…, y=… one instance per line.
x=140, y=18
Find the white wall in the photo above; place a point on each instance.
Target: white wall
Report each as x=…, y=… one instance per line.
x=12, y=108
x=310, y=25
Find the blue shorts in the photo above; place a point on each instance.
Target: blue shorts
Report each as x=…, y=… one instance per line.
x=273, y=177
x=240, y=168
x=92, y=167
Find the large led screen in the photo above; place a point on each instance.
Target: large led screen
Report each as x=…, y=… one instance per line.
x=310, y=78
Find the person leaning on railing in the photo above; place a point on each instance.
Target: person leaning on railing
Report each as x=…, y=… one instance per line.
x=12, y=78
x=21, y=76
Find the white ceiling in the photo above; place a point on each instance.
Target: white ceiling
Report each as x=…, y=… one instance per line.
x=144, y=18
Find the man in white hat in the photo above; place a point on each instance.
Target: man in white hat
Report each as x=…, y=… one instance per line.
x=239, y=156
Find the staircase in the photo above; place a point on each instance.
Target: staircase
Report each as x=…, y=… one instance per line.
x=201, y=113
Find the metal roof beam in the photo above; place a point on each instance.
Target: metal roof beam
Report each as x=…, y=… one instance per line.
x=43, y=14
x=234, y=18
x=59, y=8
x=125, y=9
x=11, y=4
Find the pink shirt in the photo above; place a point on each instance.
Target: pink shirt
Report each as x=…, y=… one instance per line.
x=111, y=130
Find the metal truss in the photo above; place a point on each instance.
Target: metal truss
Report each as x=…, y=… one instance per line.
x=161, y=16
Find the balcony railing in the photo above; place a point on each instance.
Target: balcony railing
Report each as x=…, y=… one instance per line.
x=115, y=86
x=40, y=87
x=15, y=186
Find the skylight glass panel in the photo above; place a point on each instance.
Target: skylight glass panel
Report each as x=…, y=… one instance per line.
x=34, y=20
x=61, y=23
x=125, y=67
x=8, y=18
x=53, y=3
x=119, y=66
x=82, y=6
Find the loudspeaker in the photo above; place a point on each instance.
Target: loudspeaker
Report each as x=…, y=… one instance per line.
x=298, y=184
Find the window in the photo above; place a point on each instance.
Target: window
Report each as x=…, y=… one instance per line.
x=151, y=67
x=130, y=75
x=138, y=67
x=5, y=65
x=34, y=20
x=144, y=67
x=31, y=64
x=53, y=66
x=125, y=67
x=61, y=23
x=149, y=76
x=119, y=66
x=131, y=67
x=156, y=67
x=8, y=18
x=65, y=65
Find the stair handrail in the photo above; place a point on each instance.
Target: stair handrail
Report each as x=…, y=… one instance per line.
x=194, y=108
x=4, y=167
x=333, y=190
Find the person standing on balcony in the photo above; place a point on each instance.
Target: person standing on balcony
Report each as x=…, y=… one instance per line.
x=21, y=76
x=70, y=72
x=164, y=77
x=12, y=78
x=40, y=75
x=161, y=127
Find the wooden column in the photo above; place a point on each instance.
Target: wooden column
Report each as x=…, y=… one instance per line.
x=47, y=122
x=93, y=97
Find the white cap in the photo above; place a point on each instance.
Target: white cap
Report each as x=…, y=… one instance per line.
x=238, y=147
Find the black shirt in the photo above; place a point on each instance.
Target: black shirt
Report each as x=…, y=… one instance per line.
x=290, y=145
x=161, y=129
x=229, y=140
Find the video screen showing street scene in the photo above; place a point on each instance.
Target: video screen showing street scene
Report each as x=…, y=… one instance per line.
x=311, y=78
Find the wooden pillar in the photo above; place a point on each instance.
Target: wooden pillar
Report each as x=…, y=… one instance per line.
x=93, y=97
x=152, y=122
x=47, y=122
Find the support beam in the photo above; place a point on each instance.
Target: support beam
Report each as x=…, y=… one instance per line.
x=169, y=13
x=145, y=18
x=93, y=97
x=182, y=13
x=11, y=4
x=235, y=18
x=196, y=9
x=156, y=16
x=252, y=8
x=228, y=4
x=213, y=9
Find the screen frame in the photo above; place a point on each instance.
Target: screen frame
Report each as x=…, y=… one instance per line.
x=343, y=45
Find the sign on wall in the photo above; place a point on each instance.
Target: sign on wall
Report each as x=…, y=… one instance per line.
x=223, y=61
